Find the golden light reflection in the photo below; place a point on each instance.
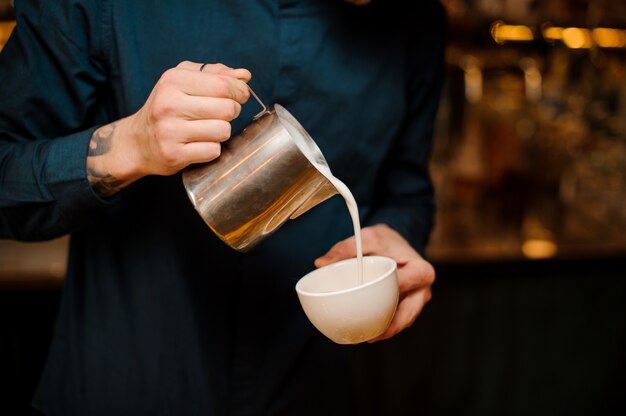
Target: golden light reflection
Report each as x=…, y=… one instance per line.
x=502, y=32
x=537, y=248
x=572, y=37
x=552, y=33
x=5, y=31
x=609, y=38
x=577, y=38
x=473, y=77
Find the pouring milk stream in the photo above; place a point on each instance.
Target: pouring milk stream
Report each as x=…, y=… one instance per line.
x=268, y=173
x=341, y=187
x=344, y=191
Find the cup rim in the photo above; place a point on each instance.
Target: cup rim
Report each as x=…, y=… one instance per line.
x=392, y=267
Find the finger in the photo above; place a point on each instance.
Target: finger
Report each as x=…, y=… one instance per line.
x=414, y=275
x=242, y=74
x=205, y=131
x=196, y=66
x=380, y=240
x=219, y=69
x=220, y=86
x=205, y=84
x=213, y=68
x=407, y=312
x=209, y=108
x=200, y=152
x=344, y=249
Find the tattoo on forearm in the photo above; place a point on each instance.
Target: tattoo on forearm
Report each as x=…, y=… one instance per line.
x=105, y=184
x=101, y=142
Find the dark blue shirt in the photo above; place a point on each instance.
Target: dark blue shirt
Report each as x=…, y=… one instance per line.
x=158, y=316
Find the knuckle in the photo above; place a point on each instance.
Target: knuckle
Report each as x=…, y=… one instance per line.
x=428, y=296
x=368, y=235
x=168, y=154
x=245, y=92
x=221, y=86
x=162, y=132
x=184, y=64
x=161, y=108
x=231, y=110
x=217, y=150
x=214, y=151
x=237, y=109
x=169, y=77
x=224, y=130
x=380, y=230
x=381, y=227
x=429, y=272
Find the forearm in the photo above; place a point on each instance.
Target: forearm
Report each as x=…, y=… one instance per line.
x=50, y=72
x=44, y=192
x=52, y=187
x=109, y=170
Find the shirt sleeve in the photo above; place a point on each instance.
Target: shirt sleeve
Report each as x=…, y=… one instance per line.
x=405, y=189
x=51, y=77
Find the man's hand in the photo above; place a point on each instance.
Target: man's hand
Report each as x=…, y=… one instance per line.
x=183, y=121
x=415, y=275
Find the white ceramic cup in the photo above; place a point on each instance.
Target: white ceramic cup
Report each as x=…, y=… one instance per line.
x=344, y=311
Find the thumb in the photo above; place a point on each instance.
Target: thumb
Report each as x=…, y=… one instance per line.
x=345, y=249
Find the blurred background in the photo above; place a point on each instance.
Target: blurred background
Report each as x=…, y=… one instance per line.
x=530, y=154
x=529, y=163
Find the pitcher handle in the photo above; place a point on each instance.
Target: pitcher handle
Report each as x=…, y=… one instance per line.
x=265, y=108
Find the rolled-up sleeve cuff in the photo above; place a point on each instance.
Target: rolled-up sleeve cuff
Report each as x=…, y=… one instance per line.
x=65, y=174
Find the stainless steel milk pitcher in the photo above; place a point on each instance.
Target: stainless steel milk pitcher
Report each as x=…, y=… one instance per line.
x=268, y=173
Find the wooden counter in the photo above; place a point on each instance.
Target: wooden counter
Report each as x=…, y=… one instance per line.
x=32, y=265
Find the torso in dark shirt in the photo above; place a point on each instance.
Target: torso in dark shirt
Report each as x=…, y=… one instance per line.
x=158, y=316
